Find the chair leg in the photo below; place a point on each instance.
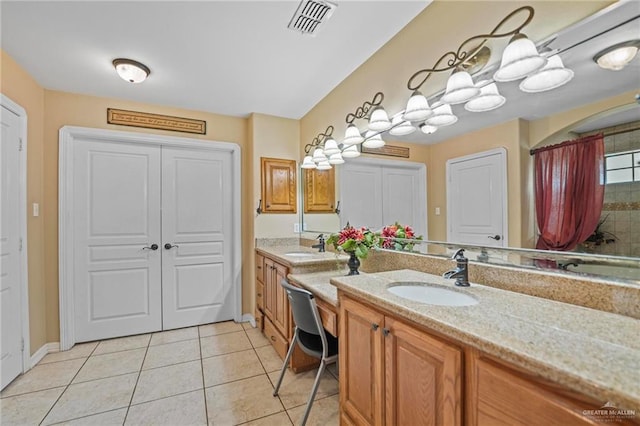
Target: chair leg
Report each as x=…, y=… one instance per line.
x=314, y=390
x=294, y=342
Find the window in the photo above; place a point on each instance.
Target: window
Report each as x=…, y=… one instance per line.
x=623, y=167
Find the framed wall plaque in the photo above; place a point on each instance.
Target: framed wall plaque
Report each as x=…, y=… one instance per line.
x=156, y=121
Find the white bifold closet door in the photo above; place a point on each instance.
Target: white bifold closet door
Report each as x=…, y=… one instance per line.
x=150, y=238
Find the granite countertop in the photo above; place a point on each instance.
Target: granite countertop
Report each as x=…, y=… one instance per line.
x=319, y=284
x=312, y=257
x=592, y=352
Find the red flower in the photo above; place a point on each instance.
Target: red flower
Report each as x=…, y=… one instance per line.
x=408, y=232
x=352, y=233
x=388, y=234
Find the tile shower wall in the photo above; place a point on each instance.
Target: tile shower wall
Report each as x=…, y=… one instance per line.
x=621, y=201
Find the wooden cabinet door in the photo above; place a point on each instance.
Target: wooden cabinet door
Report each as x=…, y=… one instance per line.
x=281, y=312
x=269, y=298
x=361, y=362
x=278, y=185
x=497, y=396
x=319, y=191
x=423, y=383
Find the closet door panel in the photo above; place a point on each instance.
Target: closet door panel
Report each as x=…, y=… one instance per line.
x=196, y=246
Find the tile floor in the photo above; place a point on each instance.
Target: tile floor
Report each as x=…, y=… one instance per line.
x=220, y=374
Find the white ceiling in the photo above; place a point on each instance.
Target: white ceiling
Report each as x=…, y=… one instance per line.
x=227, y=57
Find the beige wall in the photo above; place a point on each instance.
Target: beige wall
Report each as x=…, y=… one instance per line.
x=273, y=137
x=22, y=89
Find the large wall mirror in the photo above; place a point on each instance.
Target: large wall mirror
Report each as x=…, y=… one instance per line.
x=596, y=100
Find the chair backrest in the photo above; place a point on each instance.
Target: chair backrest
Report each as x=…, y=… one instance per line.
x=303, y=307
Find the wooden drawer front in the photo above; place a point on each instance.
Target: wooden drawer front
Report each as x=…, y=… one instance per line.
x=278, y=342
x=260, y=268
x=259, y=295
x=259, y=319
x=329, y=317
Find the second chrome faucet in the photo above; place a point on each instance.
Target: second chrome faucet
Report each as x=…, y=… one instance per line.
x=461, y=273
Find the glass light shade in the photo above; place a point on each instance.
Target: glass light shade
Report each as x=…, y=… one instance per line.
x=488, y=99
x=308, y=163
x=351, y=152
x=401, y=127
x=616, y=58
x=352, y=135
x=418, y=108
x=324, y=165
x=519, y=59
x=552, y=75
x=442, y=116
x=130, y=70
x=460, y=88
x=428, y=129
x=373, y=140
x=331, y=147
x=336, y=159
x=379, y=120
x=318, y=155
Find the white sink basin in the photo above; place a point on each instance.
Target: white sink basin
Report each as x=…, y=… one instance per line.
x=299, y=254
x=419, y=292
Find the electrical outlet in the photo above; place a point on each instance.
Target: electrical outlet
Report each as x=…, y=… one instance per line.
x=296, y=228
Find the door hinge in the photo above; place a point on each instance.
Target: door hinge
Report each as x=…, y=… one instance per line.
x=20, y=245
x=20, y=144
x=22, y=345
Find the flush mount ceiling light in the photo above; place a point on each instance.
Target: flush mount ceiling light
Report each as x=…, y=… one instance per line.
x=428, y=129
x=130, y=70
x=551, y=76
x=617, y=56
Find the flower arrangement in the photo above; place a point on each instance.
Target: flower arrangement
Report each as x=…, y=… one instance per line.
x=396, y=236
x=354, y=240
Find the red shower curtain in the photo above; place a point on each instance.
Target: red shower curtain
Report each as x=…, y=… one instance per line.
x=569, y=187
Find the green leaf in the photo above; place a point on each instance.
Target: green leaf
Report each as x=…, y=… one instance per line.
x=349, y=245
x=362, y=251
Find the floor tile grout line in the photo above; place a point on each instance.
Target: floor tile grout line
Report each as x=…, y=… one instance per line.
x=135, y=386
x=262, y=417
x=235, y=380
x=204, y=389
x=88, y=415
x=164, y=397
x=66, y=387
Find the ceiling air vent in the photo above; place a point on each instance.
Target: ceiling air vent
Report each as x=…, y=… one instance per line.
x=310, y=16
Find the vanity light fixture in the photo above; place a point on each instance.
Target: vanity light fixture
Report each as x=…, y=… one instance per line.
x=400, y=126
x=331, y=147
x=373, y=140
x=460, y=88
x=617, y=56
x=488, y=99
x=318, y=155
x=551, y=76
x=352, y=135
x=130, y=70
x=336, y=159
x=324, y=165
x=418, y=108
x=308, y=163
x=379, y=120
x=442, y=116
x=351, y=152
x=519, y=59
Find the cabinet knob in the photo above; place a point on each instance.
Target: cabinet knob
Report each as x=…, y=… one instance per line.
x=259, y=294
x=273, y=338
x=386, y=331
x=259, y=267
x=374, y=326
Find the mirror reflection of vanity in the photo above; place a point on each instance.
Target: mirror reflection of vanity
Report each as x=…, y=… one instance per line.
x=595, y=101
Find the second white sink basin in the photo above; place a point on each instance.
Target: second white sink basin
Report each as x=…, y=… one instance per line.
x=419, y=292
x=299, y=254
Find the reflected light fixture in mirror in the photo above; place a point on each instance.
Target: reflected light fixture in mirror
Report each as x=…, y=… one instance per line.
x=428, y=129
x=442, y=116
x=373, y=140
x=130, y=70
x=336, y=159
x=488, y=99
x=617, y=56
x=400, y=126
x=551, y=76
x=460, y=88
x=519, y=59
x=351, y=152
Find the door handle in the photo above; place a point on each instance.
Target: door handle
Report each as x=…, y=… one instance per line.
x=495, y=237
x=152, y=247
x=168, y=246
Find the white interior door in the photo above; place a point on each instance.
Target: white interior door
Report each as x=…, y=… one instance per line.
x=477, y=199
x=404, y=198
x=196, y=234
x=10, y=273
x=361, y=196
x=117, y=282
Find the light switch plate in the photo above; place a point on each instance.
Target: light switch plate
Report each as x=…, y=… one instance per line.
x=437, y=211
x=36, y=209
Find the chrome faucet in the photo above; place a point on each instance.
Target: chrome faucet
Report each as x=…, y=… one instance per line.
x=461, y=273
x=320, y=245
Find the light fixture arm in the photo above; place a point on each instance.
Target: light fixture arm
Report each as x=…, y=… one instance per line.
x=463, y=54
x=319, y=140
x=362, y=111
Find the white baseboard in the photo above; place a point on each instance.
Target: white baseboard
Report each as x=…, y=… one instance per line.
x=44, y=350
x=249, y=318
